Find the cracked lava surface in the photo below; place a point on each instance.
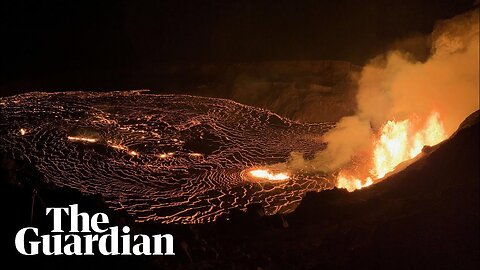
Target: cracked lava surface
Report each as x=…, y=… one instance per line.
x=168, y=158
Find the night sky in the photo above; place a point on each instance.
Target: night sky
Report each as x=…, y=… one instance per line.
x=63, y=45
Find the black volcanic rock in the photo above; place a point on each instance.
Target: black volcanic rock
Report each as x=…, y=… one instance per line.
x=306, y=91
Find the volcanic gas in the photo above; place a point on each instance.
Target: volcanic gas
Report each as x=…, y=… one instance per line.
x=403, y=105
x=413, y=104
x=396, y=142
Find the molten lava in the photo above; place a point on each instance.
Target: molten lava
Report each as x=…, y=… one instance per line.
x=268, y=175
x=82, y=139
x=396, y=143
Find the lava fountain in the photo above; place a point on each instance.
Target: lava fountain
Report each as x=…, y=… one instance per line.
x=409, y=103
x=396, y=142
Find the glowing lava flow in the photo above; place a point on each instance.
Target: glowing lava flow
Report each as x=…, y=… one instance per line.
x=163, y=158
x=396, y=143
x=266, y=174
x=82, y=139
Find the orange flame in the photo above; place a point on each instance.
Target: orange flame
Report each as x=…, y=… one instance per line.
x=396, y=143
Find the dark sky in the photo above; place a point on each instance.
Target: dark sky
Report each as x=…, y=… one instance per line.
x=41, y=40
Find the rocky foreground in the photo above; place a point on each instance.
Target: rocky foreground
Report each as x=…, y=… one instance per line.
x=424, y=217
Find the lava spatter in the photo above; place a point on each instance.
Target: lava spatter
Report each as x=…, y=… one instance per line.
x=169, y=158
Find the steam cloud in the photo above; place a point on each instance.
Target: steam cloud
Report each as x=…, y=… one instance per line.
x=394, y=86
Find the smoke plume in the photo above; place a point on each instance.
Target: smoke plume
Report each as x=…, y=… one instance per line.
x=394, y=86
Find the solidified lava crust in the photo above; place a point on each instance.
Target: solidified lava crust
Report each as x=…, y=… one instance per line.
x=168, y=158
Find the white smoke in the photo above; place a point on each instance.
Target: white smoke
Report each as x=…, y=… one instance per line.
x=393, y=86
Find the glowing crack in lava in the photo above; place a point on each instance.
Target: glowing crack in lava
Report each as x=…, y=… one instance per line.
x=397, y=142
x=268, y=175
x=169, y=158
x=82, y=139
